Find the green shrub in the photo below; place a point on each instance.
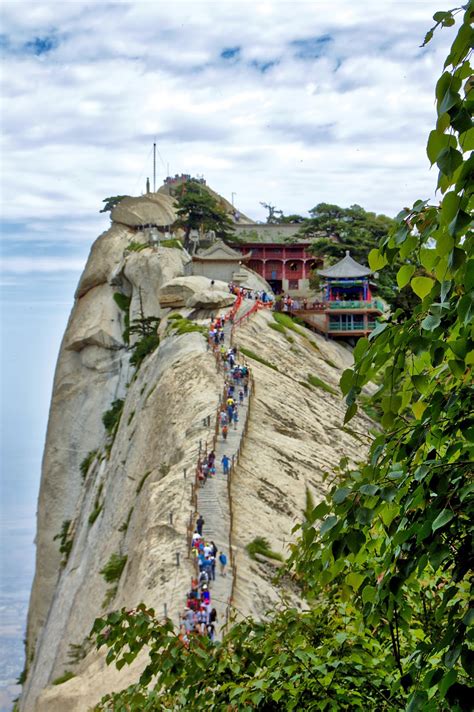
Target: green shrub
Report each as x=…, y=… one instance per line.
x=278, y=327
x=122, y=301
x=123, y=527
x=256, y=357
x=175, y=316
x=318, y=383
x=112, y=570
x=261, y=546
x=78, y=652
x=63, y=678
x=111, y=417
x=109, y=596
x=65, y=543
x=95, y=513
x=134, y=246
x=180, y=325
x=171, y=243
x=142, y=348
x=291, y=322
x=87, y=462
x=142, y=481
x=305, y=384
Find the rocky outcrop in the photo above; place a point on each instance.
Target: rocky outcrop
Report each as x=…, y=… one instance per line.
x=195, y=292
x=126, y=493
x=105, y=255
x=295, y=435
x=150, y=209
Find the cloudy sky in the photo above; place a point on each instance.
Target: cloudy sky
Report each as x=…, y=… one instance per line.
x=291, y=103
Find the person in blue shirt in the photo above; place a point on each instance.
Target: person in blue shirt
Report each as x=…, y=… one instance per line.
x=225, y=464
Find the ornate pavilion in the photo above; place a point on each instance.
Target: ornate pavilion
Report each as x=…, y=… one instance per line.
x=348, y=307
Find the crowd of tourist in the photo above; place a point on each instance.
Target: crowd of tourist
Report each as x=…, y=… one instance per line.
x=246, y=293
x=199, y=617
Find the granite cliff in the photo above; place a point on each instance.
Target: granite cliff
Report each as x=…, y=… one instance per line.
x=124, y=492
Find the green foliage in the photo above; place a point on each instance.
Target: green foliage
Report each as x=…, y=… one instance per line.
x=65, y=676
x=122, y=301
x=87, y=462
x=385, y=560
x=278, y=327
x=260, y=545
x=111, y=417
x=111, y=202
x=78, y=651
x=142, y=481
x=123, y=527
x=98, y=507
x=180, y=325
x=176, y=244
x=21, y=679
x=146, y=345
x=319, y=383
x=293, y=323
x=337, y=229
x=66, y=540
x=134, y=246
x=112, y=570
x=256, y=357
x=109, y=596
x=198, y=209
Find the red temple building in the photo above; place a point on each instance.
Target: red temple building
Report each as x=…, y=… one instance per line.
x=287, y=268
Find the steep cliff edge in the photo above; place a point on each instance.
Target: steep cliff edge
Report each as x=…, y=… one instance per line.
x=121, y=502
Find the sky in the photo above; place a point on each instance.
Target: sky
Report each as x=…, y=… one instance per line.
x=288, y=103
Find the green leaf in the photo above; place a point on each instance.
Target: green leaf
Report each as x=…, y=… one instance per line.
x=466, y=140
x=346, y=380
x=354, y=580
x=421, y=286
x=368, y=594
x=437, y=142
x=443, y=518
x=404, y=275
x=430, y=322
x=360, y=348
x=341, y=494
x=328, y=524
x=376, y=260
x=350, y=412
x=448, y=680
x=379, y=327
x=449, y=160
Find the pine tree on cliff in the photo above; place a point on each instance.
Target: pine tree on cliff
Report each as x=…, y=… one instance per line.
x=197, y=209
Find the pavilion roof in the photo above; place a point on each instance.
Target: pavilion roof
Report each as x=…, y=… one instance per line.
x=347, y=267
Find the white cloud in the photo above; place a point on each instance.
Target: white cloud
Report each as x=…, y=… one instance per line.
x=23, y=265
x=347, y=126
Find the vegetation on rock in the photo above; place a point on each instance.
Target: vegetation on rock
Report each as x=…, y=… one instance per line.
x=261, y=546
x=198, y=210
x=385, y=560
x=112, y=570
x=66, y=540
x=111, y=202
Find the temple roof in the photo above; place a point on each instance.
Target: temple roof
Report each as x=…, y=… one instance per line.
x=220, y=252
x=347, y=267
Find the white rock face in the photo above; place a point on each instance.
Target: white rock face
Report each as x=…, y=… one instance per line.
x=134, y=483
x=105, y=255
x=147, y=271
x=210, y=299
x=177, y=292
x=96, y=321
